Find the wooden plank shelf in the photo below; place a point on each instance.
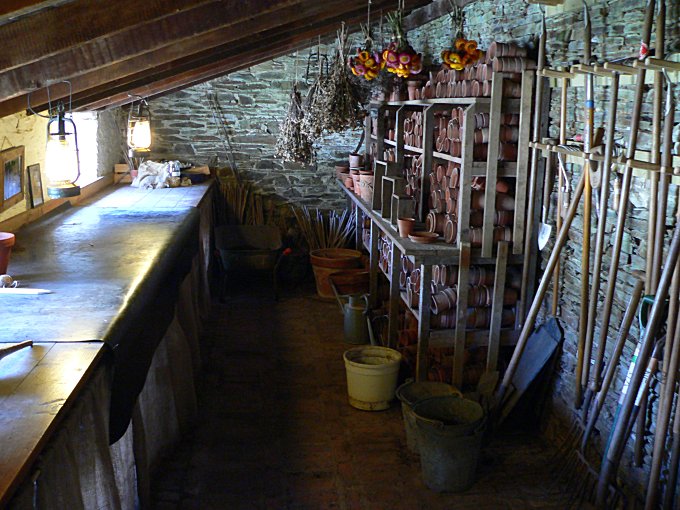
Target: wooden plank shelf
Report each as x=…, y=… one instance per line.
x=473, y=338
x=390, y=185
x=411, y=148
x=438, y=252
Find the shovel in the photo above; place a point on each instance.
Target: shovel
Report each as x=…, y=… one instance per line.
x=545, y=229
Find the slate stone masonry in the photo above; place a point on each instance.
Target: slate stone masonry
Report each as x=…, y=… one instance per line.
x=255, y=101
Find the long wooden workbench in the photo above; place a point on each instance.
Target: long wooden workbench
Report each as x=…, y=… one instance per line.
x=115, y=265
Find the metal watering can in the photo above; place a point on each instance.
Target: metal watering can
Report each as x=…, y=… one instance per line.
x=356, y=319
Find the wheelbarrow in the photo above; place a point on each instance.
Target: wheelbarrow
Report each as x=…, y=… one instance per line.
x=248, y=248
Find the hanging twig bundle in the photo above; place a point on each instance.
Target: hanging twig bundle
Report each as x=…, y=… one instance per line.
x=293, y=144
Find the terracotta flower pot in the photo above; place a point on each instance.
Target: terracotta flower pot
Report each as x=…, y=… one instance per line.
x=327, y=261
x=7, y=240
x=405, y=226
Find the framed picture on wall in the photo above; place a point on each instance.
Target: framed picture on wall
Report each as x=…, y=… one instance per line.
x=35, y=185
x=12, y=177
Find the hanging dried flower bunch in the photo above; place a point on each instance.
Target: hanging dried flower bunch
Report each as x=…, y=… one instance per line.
x=465, y=51
x=367, y=63
x=400, y=57
x=293, y=144
x=312, y=120
x=339, y=106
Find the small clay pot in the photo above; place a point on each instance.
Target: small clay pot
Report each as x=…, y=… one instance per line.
x=450, y=231
x=405, y=226
x=356, y=160
x=7, y=240
x=440, y=303
x=507, y=152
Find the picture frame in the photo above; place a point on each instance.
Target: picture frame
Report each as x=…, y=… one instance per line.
x=35, y=185
x=11, y=177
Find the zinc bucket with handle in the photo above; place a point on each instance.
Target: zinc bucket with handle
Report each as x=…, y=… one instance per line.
x=449, y=431
x=412, y=392
x=372, y=373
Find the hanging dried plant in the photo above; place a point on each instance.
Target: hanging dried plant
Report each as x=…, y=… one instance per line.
x=464, y=52
x=339, y=106
x=312, y=121
x=399, y=56
x=293, y=144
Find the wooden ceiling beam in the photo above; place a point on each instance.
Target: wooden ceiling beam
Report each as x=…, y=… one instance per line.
x=240, y=57
x=51, y=31
x=75, y=66
x=307, y=17
x=11, y=10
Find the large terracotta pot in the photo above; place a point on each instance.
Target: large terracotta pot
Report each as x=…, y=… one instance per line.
x=327, y=261
x=6, y=242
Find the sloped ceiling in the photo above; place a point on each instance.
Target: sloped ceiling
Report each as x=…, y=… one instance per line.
x=109, y=50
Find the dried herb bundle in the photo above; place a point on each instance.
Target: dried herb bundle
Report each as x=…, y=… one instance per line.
x=339, y=106
x=325, y=231
x=312, y=121
x=293, y=144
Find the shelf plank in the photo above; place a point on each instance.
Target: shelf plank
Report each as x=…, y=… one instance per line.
x=443, y=338
x=393, y=310
x=495, y=115
x=438, y=252
x=461, y=314
x=423, y=321
x=411, y=148
x=497, y=308
x=519, y=226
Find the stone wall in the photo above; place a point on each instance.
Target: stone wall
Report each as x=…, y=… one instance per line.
x=255, y=101
x=102, y=147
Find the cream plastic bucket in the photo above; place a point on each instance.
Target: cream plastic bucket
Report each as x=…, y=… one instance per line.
x=372, y=373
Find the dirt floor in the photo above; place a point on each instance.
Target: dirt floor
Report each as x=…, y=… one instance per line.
x=275, y=430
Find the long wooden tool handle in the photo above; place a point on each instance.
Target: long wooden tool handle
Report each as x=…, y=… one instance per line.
x=6, y=351
x=618, y=439
x=529, y=241
x=627, y=177
x=672, y=355
x=583, y=353
x=561, y=183
x=631, y=311
x=599, y=242
x=673, y=464
x=540, y=293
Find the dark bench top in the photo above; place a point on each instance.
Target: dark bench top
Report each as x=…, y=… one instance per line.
x=105, y=262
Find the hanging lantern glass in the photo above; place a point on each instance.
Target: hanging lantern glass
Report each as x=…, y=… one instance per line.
x=62, y=164
x=139, y=127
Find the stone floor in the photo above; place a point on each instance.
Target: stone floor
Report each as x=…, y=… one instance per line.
x=275, y=430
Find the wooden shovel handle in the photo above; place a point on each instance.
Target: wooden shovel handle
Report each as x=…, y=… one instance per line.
x=6, y=351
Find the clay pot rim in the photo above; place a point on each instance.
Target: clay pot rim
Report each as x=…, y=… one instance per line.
x=7, y=239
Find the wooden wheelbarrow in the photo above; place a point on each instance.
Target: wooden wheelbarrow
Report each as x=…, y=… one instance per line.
x=248, y=248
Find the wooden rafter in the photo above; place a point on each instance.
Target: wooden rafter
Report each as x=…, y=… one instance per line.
x=178, y=43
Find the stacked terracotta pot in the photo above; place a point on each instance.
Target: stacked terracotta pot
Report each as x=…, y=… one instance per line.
x=443, y=201
x=448, y=131
x=480, y=296
x=413, y=130
x=384, y=253
x=475, y=80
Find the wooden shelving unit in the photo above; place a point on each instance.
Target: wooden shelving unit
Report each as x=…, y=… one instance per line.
x=388, y=201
